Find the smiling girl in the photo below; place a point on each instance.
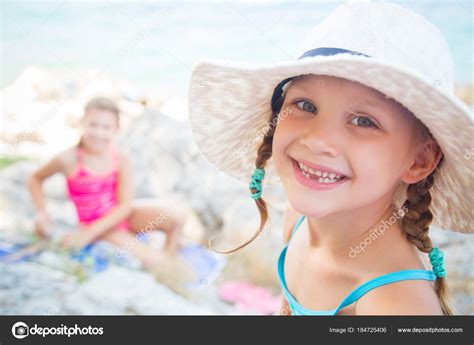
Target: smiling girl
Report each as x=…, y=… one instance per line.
x=372, y=135
x=333, y=144
x=99, y=182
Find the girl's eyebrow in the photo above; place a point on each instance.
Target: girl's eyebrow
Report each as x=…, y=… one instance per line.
x=355, y=101
x=298, y=88
x=373, y=102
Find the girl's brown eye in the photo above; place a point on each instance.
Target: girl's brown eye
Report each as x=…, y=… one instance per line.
x=306, y=106
x=362, y=121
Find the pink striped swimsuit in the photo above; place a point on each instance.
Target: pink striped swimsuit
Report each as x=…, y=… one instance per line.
x=94, y=195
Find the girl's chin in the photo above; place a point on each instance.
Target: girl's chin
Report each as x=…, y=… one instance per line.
x=316, y=204
x=95, y=147
x=312, y=208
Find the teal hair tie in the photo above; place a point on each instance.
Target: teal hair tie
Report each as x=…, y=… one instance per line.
x=256, y=183
x=437, y=261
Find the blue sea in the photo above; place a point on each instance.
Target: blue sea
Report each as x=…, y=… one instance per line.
x=156, y=44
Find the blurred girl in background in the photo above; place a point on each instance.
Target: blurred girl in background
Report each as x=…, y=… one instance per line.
x=99, y=182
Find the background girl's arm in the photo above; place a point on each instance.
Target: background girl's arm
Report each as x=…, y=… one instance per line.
x=289, y=220
x=43, y=222
x=124, y=202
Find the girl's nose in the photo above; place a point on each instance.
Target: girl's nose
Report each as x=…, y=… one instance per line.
x=320, y=137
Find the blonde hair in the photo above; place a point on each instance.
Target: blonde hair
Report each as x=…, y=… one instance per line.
x=105, y=104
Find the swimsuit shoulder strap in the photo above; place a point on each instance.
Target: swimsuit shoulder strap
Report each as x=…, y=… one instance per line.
x=115, y=157
x=384, y=280
x=297, y=225
x=114, y=152
x=79, y=157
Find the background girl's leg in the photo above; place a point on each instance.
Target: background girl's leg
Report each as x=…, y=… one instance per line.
x=170, y=270
x=127, y=243
x=150, y=218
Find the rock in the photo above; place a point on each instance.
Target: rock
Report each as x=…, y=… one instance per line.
x=28, y=288
x=133, y=292
x=45, y=106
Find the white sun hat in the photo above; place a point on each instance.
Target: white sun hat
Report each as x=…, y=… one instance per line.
x=381, y=45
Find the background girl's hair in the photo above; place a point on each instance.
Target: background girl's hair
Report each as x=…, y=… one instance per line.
x=103, y=103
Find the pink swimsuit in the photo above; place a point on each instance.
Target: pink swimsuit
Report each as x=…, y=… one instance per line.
x=94, y=195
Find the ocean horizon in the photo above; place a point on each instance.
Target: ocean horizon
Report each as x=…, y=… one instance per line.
x=156, y=44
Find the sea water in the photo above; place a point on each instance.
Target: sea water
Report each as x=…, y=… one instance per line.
x=156, y=44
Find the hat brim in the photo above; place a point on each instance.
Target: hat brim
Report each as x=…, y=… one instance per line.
x=229, y=109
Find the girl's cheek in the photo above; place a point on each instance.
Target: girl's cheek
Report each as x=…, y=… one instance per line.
x=276, y=144
x=279, y=146
x=286, y=128
x=374, y=168
x=288, y=132
x=111, y=134
x=283, y=133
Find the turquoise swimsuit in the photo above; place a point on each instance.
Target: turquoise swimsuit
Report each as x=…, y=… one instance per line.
x=298, y=309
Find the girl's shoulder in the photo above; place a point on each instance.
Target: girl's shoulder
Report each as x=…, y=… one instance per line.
x=67, y=159
x=123, y=158
x=409, y=297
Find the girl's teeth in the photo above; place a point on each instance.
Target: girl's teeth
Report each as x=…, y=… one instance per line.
x=326, y=180
x=324, y=177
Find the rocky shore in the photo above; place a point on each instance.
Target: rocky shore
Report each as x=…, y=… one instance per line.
x=41, y=112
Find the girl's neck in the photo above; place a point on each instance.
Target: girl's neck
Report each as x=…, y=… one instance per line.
x=338, y=233
x=87, y=151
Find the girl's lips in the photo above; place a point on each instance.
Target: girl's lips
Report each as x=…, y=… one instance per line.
x=313, y=183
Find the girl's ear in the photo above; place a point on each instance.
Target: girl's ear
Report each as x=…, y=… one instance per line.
x=425, y=161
